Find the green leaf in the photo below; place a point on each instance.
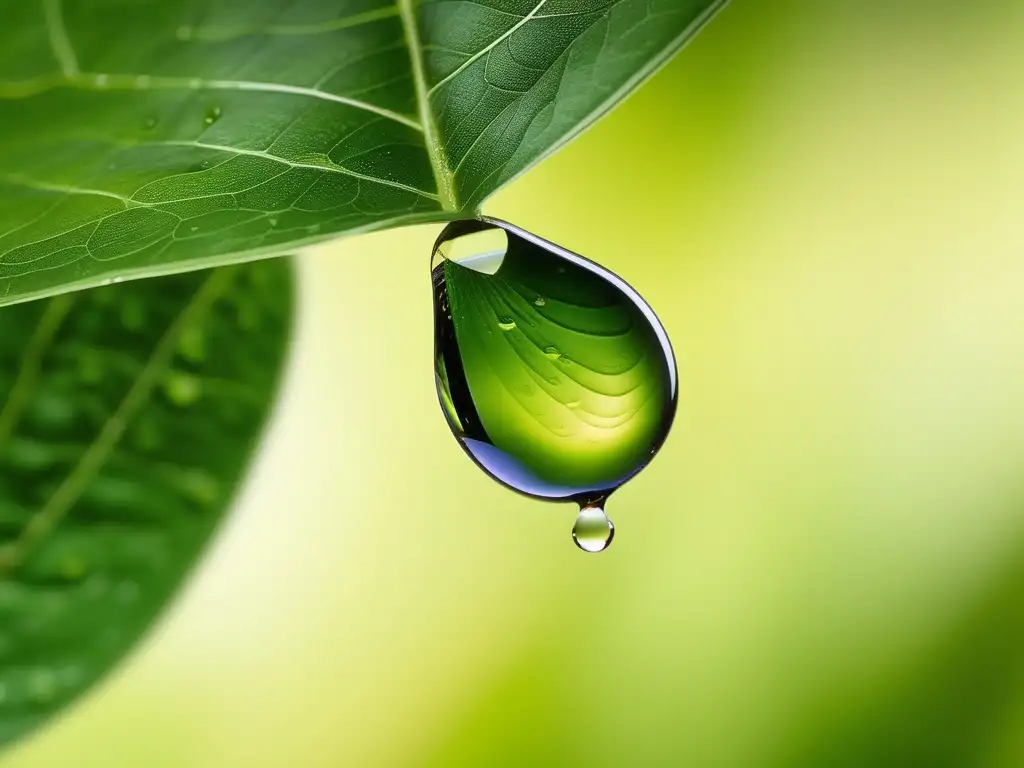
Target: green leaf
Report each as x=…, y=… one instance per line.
x=156, y=136
x=128, y=415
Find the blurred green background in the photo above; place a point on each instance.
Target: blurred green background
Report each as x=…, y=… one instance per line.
x=825, y=564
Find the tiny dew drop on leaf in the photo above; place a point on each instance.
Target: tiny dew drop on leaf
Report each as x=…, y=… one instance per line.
x=555, y=376
x=121, y=445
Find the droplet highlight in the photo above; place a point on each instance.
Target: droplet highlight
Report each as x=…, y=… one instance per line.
x=573, y=403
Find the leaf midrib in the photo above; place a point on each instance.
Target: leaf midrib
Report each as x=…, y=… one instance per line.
x=443, y=175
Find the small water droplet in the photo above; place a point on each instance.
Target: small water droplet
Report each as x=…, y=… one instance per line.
x=212, y=115
x=552, y=351
x=593, y=531
x=150, y=124
x=506, y=323
x=539, y=301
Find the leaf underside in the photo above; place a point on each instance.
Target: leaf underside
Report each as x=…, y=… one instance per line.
x=147, y=137
x=128, y=415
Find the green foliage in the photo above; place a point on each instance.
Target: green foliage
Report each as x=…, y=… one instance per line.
x=160, y=136
x=129, y=413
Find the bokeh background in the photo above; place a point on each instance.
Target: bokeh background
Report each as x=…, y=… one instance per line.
x=825, y=564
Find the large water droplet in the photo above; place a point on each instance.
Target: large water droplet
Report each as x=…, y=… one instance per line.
x=593, y=531
x=574, y=403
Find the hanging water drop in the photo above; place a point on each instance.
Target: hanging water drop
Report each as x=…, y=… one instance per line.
x=593, y=531
x=578, y=399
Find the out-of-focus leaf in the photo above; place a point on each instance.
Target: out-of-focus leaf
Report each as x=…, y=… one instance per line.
x=127, y=415
x=945, y=711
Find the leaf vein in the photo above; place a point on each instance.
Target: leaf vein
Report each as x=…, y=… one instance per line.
x=68, y=492
x=488, y=48
x=105, y=82
x=443, y=175
x=60, y=43
x=31, y=363
x=225, y=33
x=333, y=168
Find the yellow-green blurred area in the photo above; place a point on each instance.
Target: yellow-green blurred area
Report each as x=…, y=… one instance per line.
x=825, y=564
